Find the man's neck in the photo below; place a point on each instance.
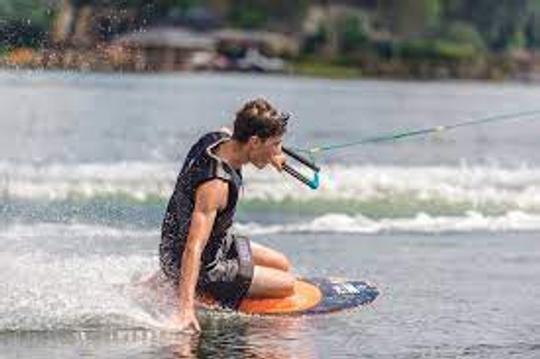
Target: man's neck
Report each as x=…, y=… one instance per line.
x=233, y=153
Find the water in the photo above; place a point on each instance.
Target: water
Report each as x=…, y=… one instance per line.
x=446, y=226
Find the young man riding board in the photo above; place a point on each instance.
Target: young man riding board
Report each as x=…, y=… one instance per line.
x=198, y=252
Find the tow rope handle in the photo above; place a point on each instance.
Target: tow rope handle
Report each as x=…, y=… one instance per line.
x=311, y=183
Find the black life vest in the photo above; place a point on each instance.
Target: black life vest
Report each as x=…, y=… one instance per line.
x=200, y=165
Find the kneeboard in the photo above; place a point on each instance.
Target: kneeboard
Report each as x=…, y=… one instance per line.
x=314, y=296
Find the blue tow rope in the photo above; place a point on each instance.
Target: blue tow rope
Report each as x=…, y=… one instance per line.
x=311, y=152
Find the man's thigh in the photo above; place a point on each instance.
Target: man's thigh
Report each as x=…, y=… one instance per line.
x=268, y=257
x=270, y=283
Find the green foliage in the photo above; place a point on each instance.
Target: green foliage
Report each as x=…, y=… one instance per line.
x=452, y=51
x=183, y=5
x=248, y=16
x=412, y=29
x=315, y=42
x=24, y=22
x=314, y=67
x=436, y=49
x=410, y=16
x=463, y=33
x=532, y=29
x=431, y=12
x=353, y=33
x=517, y=40
x=498, y=22
x=259, y=13
x=34, y=12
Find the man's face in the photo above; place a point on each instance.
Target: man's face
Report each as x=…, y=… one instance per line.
x=262, y=151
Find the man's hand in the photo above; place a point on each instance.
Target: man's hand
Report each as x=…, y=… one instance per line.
x=185, y=321
x=278, y=161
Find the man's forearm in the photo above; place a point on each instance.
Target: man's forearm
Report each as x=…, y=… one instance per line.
x=189, y=274
x=202, y=220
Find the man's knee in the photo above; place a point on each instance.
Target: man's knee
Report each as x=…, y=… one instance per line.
x=270, y=258
x=271, y=282
x=288, y=287
x=278, y=261
x=284, y=263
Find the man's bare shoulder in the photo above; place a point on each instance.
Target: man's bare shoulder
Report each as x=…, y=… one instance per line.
x=212, y=194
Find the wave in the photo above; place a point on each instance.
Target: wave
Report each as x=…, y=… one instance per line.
x=376, y=191
x=21, y=231
x=422, y=223
x=41, y=292
x=83, y=290
x=136, y=180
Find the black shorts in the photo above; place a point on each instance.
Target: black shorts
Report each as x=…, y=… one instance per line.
x=229, y=277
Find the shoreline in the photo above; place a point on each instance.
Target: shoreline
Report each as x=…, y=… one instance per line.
x=486, y=69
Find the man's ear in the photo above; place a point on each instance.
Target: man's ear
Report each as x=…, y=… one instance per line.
x=254, y=141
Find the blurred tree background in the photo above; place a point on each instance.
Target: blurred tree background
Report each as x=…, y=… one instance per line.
x=482, y=24
x=350, y=32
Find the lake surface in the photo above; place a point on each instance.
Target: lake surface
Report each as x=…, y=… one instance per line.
x=445, y=225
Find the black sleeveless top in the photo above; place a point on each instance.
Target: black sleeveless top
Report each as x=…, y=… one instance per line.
x=200, y=165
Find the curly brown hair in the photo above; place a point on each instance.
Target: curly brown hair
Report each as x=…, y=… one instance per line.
x=259, y=118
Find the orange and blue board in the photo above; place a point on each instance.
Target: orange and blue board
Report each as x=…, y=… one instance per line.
x=314, y=296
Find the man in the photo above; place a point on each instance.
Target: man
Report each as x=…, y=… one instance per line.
x=198, y=252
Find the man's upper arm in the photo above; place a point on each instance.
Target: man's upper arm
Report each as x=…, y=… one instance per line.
x=210, y=197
